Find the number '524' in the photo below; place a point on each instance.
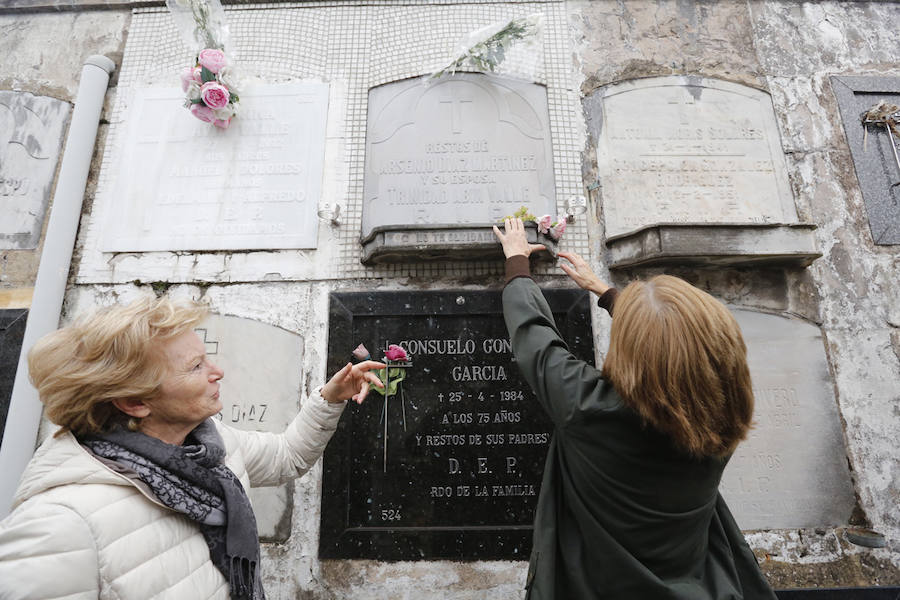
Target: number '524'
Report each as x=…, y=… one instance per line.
x=390, y=514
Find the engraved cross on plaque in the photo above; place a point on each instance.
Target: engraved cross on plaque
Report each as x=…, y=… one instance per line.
x=685, y=100
x=455, y=106
x=212, y=347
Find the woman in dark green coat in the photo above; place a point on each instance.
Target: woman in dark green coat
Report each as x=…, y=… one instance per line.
x=629, y=505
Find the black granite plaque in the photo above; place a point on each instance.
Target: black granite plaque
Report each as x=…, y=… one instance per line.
x=461, y=476
x=12, y=329
x=875, y=155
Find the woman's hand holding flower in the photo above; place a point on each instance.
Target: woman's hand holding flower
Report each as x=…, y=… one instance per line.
x=352, y=382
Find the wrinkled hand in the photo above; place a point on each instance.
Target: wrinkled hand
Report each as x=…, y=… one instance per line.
x=352, y=382
x=514, y=240
x=581, y=273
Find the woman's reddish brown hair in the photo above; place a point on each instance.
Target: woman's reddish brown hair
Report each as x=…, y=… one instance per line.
x=678, y=358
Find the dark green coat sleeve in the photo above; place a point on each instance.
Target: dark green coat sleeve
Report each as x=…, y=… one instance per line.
x=559, y=379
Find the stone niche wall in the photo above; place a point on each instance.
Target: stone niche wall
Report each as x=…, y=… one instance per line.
x=788, y=49
x=791, y=51
x=369, y=48
x=31, y=66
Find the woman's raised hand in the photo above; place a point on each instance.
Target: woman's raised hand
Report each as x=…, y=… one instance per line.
x=581, y=273
x=513, y=238
x=352, y=382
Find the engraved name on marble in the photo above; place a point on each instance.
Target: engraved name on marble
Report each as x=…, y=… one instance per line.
x=690, y=150
x=460, y=152
x=185, y=185
x=259, y=392
x=792, y=470
x=461, y=470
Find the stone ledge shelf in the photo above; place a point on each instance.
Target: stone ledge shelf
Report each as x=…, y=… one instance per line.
x=474, y=242
x=700, y=244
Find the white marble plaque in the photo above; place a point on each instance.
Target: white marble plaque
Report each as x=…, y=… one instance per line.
x=31, y=130
x=260, y=392
x=182, y=184
x=462, y=151
x=690, y=150
x=792, y=470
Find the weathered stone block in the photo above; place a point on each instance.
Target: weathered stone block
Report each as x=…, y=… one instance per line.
x=705, y=244
x=31, y=131
x=792, y=470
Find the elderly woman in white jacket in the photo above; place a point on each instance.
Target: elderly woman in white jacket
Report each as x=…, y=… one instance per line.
x=140, y=493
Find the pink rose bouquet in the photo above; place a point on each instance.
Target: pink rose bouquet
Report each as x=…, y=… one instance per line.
x=558, y=228
x=209, y=86
x=545, y=224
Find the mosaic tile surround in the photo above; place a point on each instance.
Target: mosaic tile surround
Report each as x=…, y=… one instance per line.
x=354, y=46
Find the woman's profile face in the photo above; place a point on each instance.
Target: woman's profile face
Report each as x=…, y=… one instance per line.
x=190, y=390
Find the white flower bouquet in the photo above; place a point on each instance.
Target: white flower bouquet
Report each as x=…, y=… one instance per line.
x=486, y=48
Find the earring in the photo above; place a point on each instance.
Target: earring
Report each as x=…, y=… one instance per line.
x=133, y=424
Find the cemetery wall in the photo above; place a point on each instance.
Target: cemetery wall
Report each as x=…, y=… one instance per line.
x=789, y=50
x=43, y=53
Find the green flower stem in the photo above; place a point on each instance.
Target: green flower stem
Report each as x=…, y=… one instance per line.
x=387, y=395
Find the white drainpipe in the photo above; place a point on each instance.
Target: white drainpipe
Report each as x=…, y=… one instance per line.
x=24, y=418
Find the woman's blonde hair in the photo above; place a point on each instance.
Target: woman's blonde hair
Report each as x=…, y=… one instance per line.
x=677, y=357
x=113, y=353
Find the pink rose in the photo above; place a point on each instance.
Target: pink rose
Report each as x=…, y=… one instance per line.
x=212, y=59
x=203, y=112
x=222, y=124
x=560, y=228
x=187, y=76
x=361, y=353
x=543, y=224
x=395, y=352
x=214, y=95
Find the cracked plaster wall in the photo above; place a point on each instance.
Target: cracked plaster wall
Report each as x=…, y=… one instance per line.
x=786, y=48
x=42, y=53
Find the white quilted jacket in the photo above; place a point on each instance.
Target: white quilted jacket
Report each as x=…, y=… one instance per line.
x=81, y=531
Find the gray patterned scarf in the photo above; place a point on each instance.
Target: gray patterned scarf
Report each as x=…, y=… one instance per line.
x=192, y=480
